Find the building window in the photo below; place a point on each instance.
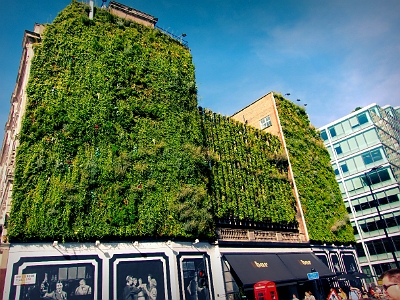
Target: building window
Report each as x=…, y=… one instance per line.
x=355, y=230
x=360, y=250
x=362, y=118
x=323, y=135
x=367, y=158
x=384, y=175
x=372, y=156
x=381, y=268
x=359, y=120
x=338, y=150
x=381, y=246
x=376, y=155
x=396, y=242
x=265, y=122
x=373, y=203
x=344, y=168
x=373, y=224
x=354, y=122
x=332, y=131
x=376, y=177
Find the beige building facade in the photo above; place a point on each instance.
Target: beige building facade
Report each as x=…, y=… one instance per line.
x=263, y=114
x=132, y=14
x=10, y=142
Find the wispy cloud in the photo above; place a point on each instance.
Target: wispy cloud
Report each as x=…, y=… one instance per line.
x=346, y=53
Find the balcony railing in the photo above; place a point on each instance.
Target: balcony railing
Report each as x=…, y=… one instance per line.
x=242, y=235
x=250, y=224
x=175, y=37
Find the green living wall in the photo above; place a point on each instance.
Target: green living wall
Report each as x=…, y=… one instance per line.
x=320, y=197
x=249, y=178
x=111, y=144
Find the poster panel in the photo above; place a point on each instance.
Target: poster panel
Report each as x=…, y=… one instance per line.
x=350, y=263
x=195, y=277
x=335, y=262
x=139, y=277
x=37, y=278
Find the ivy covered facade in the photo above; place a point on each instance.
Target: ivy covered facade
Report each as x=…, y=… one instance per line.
x=113, y=146
x=324, y=210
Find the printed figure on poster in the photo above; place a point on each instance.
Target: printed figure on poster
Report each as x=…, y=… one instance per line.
x=139, y=285
x=195, y=279
x=70, y=281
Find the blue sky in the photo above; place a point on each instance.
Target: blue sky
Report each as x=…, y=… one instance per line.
x=333, y=55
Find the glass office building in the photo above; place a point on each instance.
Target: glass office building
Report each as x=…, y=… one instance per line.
x=364, y=149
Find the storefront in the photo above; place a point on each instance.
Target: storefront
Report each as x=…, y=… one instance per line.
x=288, y=270
x=171, y=270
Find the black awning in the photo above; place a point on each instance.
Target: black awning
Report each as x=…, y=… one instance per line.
x=279, y=268
x=251, y=268
x=300, y=264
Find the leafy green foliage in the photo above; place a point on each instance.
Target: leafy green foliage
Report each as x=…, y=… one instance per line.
x=110, y=141
x=249, y=179
x=320, y=197
x=112, y=145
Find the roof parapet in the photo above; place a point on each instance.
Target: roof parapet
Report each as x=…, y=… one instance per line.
x=130, y=13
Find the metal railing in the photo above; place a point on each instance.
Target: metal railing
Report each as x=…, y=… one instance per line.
x=175, y=37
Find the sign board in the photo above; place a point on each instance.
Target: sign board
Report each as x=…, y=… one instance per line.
x=333, y=295
x=313, y=276
x=24, y=279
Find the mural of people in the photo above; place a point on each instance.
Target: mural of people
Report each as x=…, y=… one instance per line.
x=44, y=286
x=151, y=291
x=148, y=285
x=83, y=288
x=194, y=288
x=58, y=293
x=128, y=288
x=142, y=294
x=195, y=279
x=136, y=290
x=70, y=281
x=131, y=275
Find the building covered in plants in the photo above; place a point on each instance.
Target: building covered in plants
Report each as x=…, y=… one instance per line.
x=113, y=177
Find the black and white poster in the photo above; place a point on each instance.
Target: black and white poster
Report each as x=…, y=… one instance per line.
x=195, y=280
x=350, y=263
x=335, y=262
x=140, y=278
x=60, y=280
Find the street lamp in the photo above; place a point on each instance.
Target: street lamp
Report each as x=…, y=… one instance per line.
x=376, y=204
